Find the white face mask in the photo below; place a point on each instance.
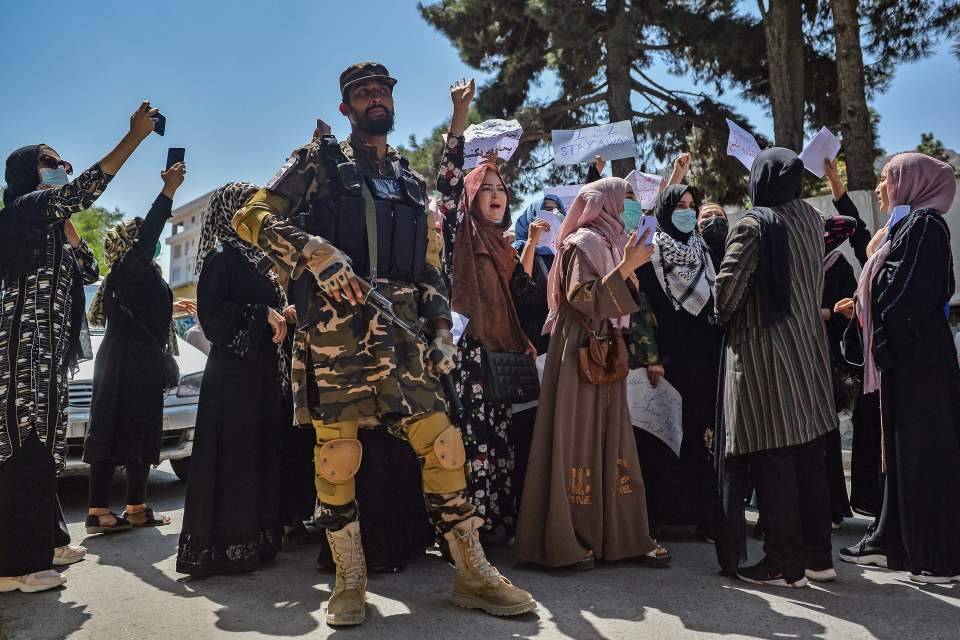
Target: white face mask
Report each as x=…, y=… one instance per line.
x=54, y=177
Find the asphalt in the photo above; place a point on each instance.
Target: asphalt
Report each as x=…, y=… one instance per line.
x=128, y=588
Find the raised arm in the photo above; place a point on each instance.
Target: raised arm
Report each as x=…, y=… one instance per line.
x=159, y=213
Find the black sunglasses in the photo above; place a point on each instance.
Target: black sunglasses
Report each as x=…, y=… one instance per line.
x=49, y=162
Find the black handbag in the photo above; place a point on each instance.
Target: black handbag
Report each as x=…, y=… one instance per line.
x=171, y=370
x=510, y=377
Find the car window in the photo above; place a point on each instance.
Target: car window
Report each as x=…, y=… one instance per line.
x=89, y=292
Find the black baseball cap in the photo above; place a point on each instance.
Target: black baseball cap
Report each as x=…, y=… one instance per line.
x=363, y=71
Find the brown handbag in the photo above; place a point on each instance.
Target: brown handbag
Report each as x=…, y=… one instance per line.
x=602, y=359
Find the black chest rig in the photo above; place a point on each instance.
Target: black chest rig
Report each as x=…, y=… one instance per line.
x=394, y=203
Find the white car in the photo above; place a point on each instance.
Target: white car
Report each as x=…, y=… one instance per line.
x=179, y=405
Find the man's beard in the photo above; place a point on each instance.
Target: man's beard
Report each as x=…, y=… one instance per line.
x=375, y=127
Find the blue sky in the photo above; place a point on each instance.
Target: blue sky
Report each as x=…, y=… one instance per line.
x=242, y=82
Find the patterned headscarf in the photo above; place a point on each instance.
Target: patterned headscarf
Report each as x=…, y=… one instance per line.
x=218, y=230
x=119, y=240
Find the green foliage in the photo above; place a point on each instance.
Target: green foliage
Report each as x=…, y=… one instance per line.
x=933, y=147
x=93, y=224
x=424, y=155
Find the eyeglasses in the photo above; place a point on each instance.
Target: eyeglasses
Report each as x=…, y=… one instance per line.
x=49, y=162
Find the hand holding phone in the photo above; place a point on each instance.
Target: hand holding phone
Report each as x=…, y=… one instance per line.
x=647, y=223
x=175, y=155
x=159, y=123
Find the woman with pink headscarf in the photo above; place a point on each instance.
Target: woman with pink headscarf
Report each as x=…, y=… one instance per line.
x=909, y=356
x=583, y=495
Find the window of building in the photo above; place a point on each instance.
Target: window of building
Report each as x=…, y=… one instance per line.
x=176, y=275
x=193, y=219
x=176, y=251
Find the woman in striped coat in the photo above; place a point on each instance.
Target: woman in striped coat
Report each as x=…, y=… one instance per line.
x=777, y=396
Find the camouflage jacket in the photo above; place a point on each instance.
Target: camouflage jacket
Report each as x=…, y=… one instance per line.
x=348, y=363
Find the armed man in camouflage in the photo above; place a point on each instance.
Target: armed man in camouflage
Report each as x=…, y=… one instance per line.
x=340, y=209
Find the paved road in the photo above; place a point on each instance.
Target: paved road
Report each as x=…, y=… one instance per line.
x=127, y=588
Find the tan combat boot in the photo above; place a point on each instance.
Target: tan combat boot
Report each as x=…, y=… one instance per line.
x=347, y=604
x=477, y=584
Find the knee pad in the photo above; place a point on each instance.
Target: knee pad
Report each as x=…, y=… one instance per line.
x=337, y=462
x=448, y=448
x=439, y=445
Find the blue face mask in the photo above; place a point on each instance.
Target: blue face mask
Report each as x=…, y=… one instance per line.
x=54, y=177
x=632, y=211
x=685, y=220
x=156, y=251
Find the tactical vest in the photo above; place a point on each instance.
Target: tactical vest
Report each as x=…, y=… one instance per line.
x=338, y=214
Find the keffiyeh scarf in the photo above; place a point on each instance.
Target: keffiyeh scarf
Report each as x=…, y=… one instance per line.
x=685, y=271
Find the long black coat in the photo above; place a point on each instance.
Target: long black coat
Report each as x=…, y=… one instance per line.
x=126, y=413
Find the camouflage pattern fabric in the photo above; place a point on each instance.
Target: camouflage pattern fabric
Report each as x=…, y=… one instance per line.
x=348, y=363
x=641, y=337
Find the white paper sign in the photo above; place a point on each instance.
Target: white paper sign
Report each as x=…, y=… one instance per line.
x=566, y=193
x=549, y=238
x=741, y=145
x=658, y=411
x=480, y=140
x=824, y=146
x=459, y=326
x=609, y=141
x=646, y=187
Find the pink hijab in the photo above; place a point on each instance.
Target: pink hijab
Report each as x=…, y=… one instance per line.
x=921, y=182
x=598, y=207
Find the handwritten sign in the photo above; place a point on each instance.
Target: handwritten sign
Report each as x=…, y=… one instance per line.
x=646, y=187
x=741, y=145
x=658, y=411
x=566, y=193
x=549, y=238
x=609, y=141
x=824, y=146
x=488, y=137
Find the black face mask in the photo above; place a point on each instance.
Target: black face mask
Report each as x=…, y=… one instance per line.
x=714, y=229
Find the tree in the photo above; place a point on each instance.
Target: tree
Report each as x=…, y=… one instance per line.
x=934, y=148
x=92, y=225
x=783, y=29
x=600, y=55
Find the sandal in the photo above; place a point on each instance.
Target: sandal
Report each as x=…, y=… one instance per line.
x=588, y=562
x=93, y=524
x=149, y=518
x=659, y=558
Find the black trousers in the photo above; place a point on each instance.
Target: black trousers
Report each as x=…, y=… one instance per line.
x=101, y=477
x=795, y=503
x=28, y=496
x=61, y=535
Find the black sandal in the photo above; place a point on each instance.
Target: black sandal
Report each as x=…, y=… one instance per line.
x=150, y=518
x=656, y=560
x=93, y=524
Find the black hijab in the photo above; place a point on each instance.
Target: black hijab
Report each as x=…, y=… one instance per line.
x=663, y=209
x=775, y=179
x=21, y=175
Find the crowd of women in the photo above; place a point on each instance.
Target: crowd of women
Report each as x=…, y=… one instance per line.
x=761, y=327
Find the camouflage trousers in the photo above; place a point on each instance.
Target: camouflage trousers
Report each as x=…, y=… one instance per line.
x=443, y=487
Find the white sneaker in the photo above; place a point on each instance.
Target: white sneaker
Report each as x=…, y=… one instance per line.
x=927, y=578
x=32, y=582
x=821, y=575
x=68, y=554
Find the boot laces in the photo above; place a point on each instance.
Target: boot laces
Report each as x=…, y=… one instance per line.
x=477, y=559
x=350, y=561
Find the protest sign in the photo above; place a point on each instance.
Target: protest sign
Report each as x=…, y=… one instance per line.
x=458, y=326
x=609, y=141
x=824, y=146
x=741, y=145
x=566, y=193
x=656, y=410
x=549, y=238
x=646, y=186
x=488, y=137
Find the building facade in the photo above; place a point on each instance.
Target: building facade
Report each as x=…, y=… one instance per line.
x=184, y=241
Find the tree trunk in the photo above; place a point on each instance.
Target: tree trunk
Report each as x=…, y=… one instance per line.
x=783, y=26
x=620, y=45
x=855, y=119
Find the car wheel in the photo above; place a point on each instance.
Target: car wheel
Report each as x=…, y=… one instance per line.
x=181, y=467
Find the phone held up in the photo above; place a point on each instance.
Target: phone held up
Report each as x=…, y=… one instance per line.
x=159, y=123
x=175, y=155
x=647, y=223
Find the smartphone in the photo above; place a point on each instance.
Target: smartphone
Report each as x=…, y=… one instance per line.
x=159, y=123
x=175, y=155
x=646, y=223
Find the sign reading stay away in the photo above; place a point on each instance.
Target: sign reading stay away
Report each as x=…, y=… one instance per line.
x=609, y=141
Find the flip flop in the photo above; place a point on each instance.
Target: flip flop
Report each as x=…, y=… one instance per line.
x=151, y=519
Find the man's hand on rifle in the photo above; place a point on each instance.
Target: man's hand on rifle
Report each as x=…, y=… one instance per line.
x=442, y=353
x=333, y=272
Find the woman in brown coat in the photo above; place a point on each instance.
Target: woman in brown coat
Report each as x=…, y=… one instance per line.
x=584, y=495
